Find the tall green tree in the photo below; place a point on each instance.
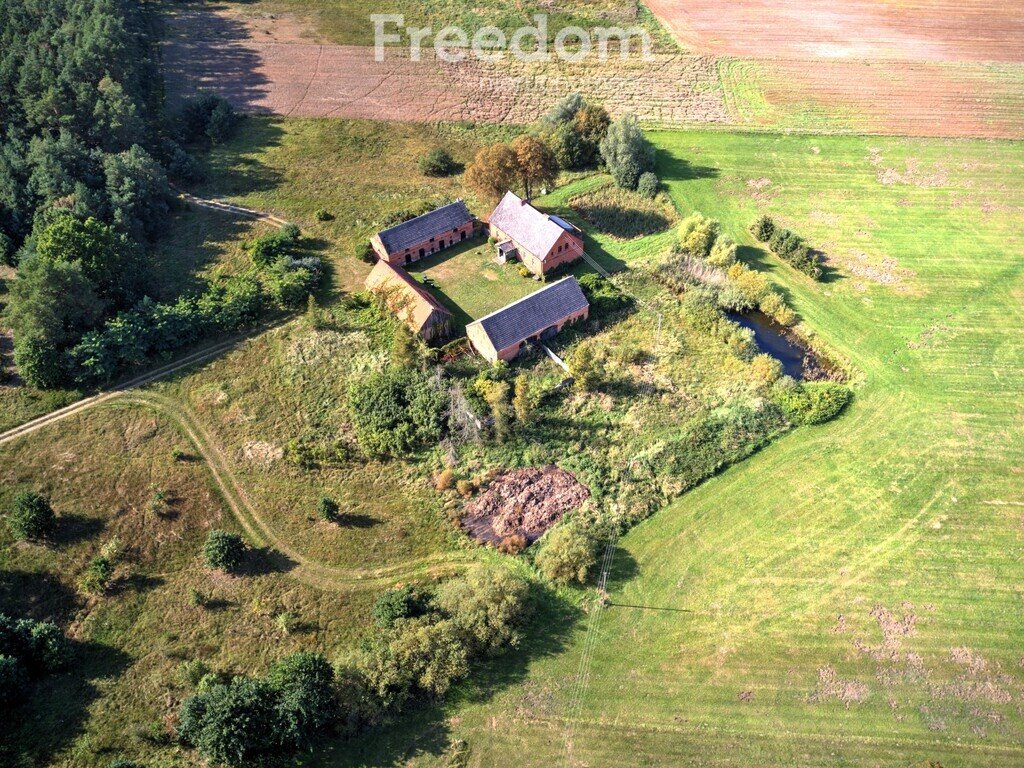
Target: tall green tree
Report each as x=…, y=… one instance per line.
x=627, y=152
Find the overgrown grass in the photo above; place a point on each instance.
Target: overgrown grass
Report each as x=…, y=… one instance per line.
x=348, y=21
x=623, y=214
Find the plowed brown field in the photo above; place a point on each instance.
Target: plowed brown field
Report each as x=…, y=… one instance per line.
x=916, y=30
x=870, y=68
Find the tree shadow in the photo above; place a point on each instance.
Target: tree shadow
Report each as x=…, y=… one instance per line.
x=624, y=223
x=264, y=561
x=59, y=704
x=73, y=528
x=356, y=520
x=205, y=51
x=624, y=568
x=675, y=168
x=39, y=596
x=135, y=582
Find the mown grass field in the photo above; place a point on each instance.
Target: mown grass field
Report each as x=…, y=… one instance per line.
x=851, y=595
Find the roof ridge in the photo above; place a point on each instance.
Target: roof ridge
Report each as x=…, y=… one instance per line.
x=524, y=298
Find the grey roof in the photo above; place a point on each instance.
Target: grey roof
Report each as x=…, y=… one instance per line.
x=531, y=315
x=422, y=228
x=535, y=231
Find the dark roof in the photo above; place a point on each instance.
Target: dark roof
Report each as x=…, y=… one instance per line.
x=529, y=316
x=422, y=228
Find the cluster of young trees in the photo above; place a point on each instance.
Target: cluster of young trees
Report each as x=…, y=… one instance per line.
x=28, y=650
x=246, y=720
x=423, y=642
x=396, y=411
x=788, y=246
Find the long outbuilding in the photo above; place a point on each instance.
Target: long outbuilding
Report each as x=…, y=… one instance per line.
x=417, y=238
x=502, y=335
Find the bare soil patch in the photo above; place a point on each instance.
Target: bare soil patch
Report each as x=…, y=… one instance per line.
x=523, y=502
x=258, y=73
x=931, y=30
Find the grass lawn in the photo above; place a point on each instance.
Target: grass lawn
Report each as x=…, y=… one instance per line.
x=851, y=595
x=470, y=282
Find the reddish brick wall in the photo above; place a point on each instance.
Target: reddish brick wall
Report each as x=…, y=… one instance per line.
x=409, y=255
x=510, y=353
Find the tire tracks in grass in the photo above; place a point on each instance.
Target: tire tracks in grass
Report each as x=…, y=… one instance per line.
x=259, y=530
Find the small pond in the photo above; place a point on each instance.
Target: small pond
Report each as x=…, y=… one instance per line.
x=772, y=339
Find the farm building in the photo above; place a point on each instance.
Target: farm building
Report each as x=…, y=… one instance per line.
x=412, y=240
x=540, y=241
x=410, y=301
x=501, y=335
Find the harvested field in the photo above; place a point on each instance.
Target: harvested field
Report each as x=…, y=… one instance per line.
x=219, y=53
x=523, y=502
x=927, y=30
x=862, y=96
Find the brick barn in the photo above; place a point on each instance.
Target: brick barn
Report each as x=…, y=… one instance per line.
x=540, y=241
x=411, y=302
x=502, y=335
x=432, y=232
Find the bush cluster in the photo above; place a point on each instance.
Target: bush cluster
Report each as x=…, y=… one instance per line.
x=574, y=129
x=28, y=650
x=812, y=402
x=568, y=554
x=151, y=329
x=603, y=296
x=247, y=721
x=788, y=246
x=627, y=153
x=426, y=652
x=396, y=412
x=31, y=516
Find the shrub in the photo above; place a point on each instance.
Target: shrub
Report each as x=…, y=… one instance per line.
x=224, y=551
x=364, y=252
x=268, y=249
x=327, y=509
x=437, y=162
x=488, y=606
x=697, y=235
x=603, y=296
x=445, y=480
x=763, y=229
x=648, y=184
x=587, y=369
x=97, y=575
x=396, y=411
x=305, y=684
x=568, y=554
x=465, y=488
x=221, y=123
x=322, y=214
x=208, y=116
x=238, y=724
x=773, y=305
x=766, y=370
x=191, y=672
x=395, y=604
x=812, y=402
x=13, y=681
x=31, y=516
x=512, y=545
x=723, y=252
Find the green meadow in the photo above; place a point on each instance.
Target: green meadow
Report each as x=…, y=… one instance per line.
x=851, y=595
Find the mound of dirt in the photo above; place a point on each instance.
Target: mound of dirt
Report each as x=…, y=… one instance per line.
x=525, y=502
